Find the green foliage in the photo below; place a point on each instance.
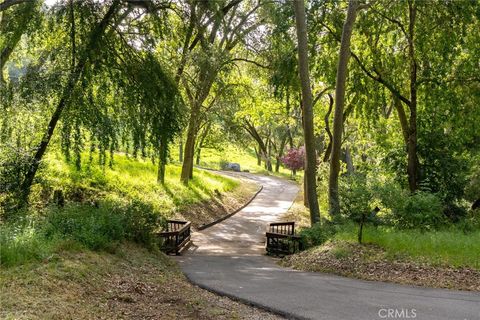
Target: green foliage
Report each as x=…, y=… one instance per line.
x=103, y=227
x=21, y=244
x=448, y=247
x=104, y=207
x=355, y=196
x=14, y=163
x=472, y=189
x=78, y=226
x=361, y=193
x=422, y=210
x=317, y=234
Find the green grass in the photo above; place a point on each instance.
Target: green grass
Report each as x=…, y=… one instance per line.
x=245, y=157
x=450, y=247
x=135, y=179
x=105, y=206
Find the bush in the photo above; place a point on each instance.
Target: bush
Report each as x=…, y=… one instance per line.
x=454, y=212
x=472, y=189
x=421, y=210
x=102, y=228
x=95, y=228
x=14, y=164
x=20, y=244
x=355, y=196
x=317, y=234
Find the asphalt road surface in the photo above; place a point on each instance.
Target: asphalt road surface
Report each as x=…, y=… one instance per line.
x=228, y=258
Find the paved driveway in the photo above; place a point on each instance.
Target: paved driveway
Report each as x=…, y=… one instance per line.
x=227, y=258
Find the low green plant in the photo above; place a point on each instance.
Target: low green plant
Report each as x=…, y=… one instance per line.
x=79, y=226
x=317, y=234
x=421, y=210
x=20, y=244
x=448, y=247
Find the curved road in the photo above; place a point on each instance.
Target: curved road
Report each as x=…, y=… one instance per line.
x=228, y=259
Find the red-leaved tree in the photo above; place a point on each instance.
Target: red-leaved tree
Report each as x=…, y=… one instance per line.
x=294, y=159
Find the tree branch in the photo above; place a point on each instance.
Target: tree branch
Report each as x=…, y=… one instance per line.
x=8, y=3
x=251, y=61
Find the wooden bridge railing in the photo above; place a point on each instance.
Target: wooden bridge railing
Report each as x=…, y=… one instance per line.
x=176, y=237
x=281, y=239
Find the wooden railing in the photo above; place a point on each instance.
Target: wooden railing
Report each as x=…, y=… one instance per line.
x=176, y=237
x=281, y=239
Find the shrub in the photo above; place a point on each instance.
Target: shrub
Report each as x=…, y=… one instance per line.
x=454, y=212
x=103, y=227
x=472, y=189
x=78, y=226
x=14, y=164
x=421, y=210
x=95, y=228
x=317, y=234
x=20, y=244
x=355, y=196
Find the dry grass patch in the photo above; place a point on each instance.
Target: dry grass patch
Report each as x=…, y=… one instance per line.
x=132, y=284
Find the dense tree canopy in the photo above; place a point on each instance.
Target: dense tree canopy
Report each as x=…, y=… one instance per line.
x=393, y=87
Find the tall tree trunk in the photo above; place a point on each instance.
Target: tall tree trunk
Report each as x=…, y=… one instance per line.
x=73, y=79
x=258, y=155
x=283, y=142
x=162, y=160
x=262, y=147
x=305, y=194
x=311, y=158
x=197, y=159
x=328, y=150
x=203, y=136
x=269, y=155
x=342, y=71
x=403, y=119
x=180, y=150
x=412, y=137
x=187, y=166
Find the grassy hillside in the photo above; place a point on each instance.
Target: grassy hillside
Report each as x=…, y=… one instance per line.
x=104, y=207
x=212, y=158
x=133, y=179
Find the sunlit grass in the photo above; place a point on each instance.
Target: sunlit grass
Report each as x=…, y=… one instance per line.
x=446, y=247
x=211, y=158
x=105, y=206
x=137, y=179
